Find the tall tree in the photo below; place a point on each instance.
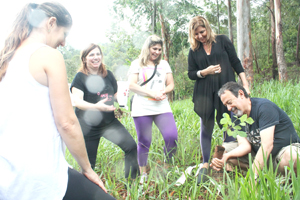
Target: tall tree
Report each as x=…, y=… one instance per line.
x=164, y=34
x=282, y=67
x=244, y=38
x=297, y=48
x=230, y=21
x=218, y=16
x=153, y=18
x=273, y=40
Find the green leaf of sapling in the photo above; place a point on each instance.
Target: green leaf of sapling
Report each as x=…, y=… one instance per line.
x=223, y=121
x=242, y=133
x=243, y=118
x=250, y=120
x=234, y=134
x=229, y=132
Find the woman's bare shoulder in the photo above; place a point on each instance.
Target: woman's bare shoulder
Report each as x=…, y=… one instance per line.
x=47, y=56
x=48, y=52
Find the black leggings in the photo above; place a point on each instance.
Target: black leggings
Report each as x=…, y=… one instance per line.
x=81, y=188
x=117, y=134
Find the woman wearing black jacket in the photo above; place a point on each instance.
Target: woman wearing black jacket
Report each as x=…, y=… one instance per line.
x=212, y=61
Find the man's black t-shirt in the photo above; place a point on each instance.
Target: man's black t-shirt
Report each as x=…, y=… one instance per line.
x=266, y=114
x=95, y=88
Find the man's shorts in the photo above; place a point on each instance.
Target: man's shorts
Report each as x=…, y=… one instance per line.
x=295, y=147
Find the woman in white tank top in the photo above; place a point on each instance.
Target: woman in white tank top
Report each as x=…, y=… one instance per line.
x=36, y=114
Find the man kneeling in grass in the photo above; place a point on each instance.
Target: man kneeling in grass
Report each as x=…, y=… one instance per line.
x=272, y=132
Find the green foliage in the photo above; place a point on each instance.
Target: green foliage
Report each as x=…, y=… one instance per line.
x=232, y=128
x=285, y=95
x=183, y=85
x=110, y=160
x=261, y=35
x=119, y=54
x=72, y=60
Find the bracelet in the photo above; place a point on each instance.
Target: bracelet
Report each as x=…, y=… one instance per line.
x=199, y=74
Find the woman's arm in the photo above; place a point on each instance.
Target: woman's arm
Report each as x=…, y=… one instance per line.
x=193, y=71
x=169, y=83
x=84, y=105
x=242, y=76
x=116, y=97
x=192, y=67
x=133, y=86
x=64, y=116
x=235, y=62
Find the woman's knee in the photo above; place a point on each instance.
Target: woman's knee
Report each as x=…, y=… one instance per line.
x=144, y=144
x=130, y=147
x=172, y=138
x=144, y=140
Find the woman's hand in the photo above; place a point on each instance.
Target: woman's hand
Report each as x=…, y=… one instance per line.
x=247, y=89
x=103, y=107
x=92, y=176
x=159, y=95
x=243, y=78
x=212, y=69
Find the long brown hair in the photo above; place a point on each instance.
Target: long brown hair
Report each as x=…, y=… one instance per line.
x=195, y=22
x=101, y=70
x=29, y=18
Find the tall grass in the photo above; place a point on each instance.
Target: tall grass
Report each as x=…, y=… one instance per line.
x=161, y=184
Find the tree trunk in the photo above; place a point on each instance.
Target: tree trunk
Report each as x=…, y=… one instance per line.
x=244, y=38
x=273, y=41
x=164, y=38
x=166, y=44
x=297, y=50
x=269, y=39
x=282, y=67
x=218, y=15
x=255, y=59
x=153, y=17
x=230, y=21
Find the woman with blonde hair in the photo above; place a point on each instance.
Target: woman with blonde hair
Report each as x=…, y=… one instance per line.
x=36, y=114
x=212, y=61
x=94, y=86
x=151, y=79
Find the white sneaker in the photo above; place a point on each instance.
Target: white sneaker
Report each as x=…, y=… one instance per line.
x=144, y=178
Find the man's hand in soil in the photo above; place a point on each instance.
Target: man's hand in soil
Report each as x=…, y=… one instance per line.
x=217, y=164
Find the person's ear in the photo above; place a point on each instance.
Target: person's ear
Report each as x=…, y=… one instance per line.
x=241, y=94
x=51, y=23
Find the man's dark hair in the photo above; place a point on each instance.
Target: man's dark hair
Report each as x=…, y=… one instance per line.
x=234, y=88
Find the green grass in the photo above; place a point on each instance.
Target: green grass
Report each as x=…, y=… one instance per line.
x=110, y=163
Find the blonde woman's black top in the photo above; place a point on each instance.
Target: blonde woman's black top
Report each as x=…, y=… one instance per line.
x=205, y=89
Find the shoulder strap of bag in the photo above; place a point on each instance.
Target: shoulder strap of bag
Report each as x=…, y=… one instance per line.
x=155, y=68
x=144, y=83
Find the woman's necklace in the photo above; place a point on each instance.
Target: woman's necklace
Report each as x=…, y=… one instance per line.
x=207, y=48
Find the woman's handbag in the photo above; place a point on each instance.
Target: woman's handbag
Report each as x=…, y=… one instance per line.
x=144, y=83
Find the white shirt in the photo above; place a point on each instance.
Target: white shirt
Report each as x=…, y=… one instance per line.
x=142, y=105
x=32, y=164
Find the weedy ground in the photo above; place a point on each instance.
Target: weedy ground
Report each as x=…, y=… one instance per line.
x=222, y=185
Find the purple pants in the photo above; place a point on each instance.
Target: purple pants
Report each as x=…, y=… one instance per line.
x=166, y=124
